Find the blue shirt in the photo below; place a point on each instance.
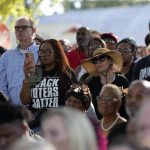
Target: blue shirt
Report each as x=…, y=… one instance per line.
x=11, y=72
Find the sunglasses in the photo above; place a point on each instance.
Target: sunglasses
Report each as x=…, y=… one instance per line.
x=110, y=41
x=23, y=27
x=98, y=59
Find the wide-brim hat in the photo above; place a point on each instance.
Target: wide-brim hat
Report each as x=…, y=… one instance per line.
x=115, y=55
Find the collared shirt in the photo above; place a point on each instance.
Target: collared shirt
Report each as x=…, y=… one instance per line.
x=11, y=72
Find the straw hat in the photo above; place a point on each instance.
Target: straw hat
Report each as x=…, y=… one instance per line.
x=115, y=55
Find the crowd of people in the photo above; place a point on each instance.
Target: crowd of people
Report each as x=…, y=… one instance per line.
x=54, y=96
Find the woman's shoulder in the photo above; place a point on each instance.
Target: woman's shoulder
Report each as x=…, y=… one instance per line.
x=121, y=81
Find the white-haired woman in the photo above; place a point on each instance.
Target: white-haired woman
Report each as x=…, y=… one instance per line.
x=68, y=129
x=109, y=102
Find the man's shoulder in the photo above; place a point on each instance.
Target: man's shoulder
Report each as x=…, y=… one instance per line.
x=9, y=52
x=72, y=52
x=144, y=59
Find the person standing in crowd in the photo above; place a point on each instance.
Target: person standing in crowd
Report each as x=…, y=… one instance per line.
x=142, y=69
x=141, y=126
x=46, y=87
x=95, y=34
x=127, y=47
x=75, y=57
x=103, y=68
x=13, y=125
x=79, y=97
x=12, y=61
x=92, y=46
x=135, y=97
x=109, y=102
x=68, y=129
x=110, y=39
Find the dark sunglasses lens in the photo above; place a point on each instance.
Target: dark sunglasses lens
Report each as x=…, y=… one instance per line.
x=98, y=59
x=94, y=60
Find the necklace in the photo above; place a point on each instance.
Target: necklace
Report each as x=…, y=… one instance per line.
x=106, y=129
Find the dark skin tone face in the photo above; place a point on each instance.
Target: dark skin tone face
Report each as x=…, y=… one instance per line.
x=9, y=133
x=75, y=103
x=94, y=44
x=135, y=98
x=107, y=107
x=126, y=52
x=83, y=37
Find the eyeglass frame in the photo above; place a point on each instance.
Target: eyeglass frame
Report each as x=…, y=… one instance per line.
x=23, y=27
x=47, y=51
x=123, y=51
x=106, y=98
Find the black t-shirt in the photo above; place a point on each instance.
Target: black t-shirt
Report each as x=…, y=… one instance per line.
x=50, y=91
x=95, y=86
x=129, y=75
x=142, y=69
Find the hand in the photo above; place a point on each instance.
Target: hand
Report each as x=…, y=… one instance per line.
x=29, y=67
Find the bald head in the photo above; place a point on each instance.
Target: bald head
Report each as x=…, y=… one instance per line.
x=29, y=20
x=143, y=85
x=83, y=37
x=138, y=91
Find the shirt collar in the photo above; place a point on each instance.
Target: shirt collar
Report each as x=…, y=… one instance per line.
x=30, y=48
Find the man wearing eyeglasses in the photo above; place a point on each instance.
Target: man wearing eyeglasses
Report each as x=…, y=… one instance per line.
x=127, y=47
x=12, y=61
x=110, y=39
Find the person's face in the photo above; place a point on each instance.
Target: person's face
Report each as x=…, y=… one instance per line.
x=107, y=103
x=9, y=133
x=142, y=132
x=102, y=63
x=55, y=132
x=75, y=103
x=134, y=99
x=126, y=52
x=47, y=54
x=94, y=44
x=24, y=30
x=83, y=37
x=111, y=43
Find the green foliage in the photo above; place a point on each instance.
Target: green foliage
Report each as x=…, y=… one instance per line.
x=15, y=8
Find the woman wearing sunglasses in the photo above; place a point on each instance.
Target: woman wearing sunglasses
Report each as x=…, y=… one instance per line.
x=103, y=68
x=47, y=85
x=109, y=101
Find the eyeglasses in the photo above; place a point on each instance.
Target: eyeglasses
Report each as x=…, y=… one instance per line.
x=45, y=52
x=23, y=27
x=94, y=46
x=99, y=59
x=125, y=50
x=105, y=98
x=110, y=41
